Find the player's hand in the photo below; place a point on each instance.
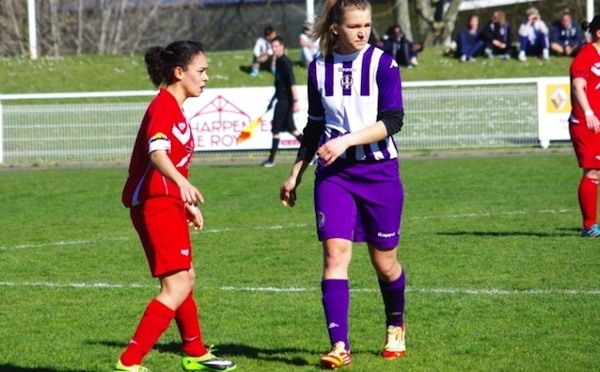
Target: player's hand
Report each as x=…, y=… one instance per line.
x=287, y=191
x=331, y=150
x=190, y=194
x=593, y=123
x=194, y=216
x=296, y=107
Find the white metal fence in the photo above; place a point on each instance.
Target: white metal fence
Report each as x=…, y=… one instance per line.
x=84, y=127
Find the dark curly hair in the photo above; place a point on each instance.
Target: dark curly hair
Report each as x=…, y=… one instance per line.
x=161, y=62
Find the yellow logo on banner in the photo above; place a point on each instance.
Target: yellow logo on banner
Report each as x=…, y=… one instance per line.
x=558, y=98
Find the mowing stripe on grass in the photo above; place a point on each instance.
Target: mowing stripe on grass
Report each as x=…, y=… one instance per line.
x=315, y=289
x=279, y=227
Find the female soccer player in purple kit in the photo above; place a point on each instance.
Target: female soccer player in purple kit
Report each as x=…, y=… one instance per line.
x=355, y=107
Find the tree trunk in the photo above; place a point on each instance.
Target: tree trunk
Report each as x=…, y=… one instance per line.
x=116, y=40
x=142, y=28
x=402, y=17
x=54, y=29
x=433, y=31
x=15, y=24
x=106, y=6
x=79, y=27
x=449, y=21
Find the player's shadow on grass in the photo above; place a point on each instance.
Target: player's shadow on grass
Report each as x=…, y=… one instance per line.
x=508, y=233
x=281, y=355
x=12, y=368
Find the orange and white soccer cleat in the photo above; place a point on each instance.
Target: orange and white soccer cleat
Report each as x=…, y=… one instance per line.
x=395, y=346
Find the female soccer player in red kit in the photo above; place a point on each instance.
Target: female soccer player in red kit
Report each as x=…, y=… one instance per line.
x=584, y=126
x=162, y=202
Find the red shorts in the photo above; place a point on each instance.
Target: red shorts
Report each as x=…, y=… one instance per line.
x=162, y=226
x=586, y=144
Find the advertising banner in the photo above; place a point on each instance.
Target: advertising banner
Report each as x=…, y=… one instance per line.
x=219, y=116
x=554, y=108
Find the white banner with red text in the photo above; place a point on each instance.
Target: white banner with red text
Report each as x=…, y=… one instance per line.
x=219, y=115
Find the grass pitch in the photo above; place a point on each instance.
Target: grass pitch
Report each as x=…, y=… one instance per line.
x=498, y=278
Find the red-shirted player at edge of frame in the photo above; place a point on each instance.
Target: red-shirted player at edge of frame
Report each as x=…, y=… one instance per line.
x=584, y=126
x=162, y=202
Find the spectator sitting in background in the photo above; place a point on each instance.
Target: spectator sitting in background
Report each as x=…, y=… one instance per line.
x=309, y=47
x=262, y=54
x=533, y=34
x=395, y=43
x=496, y=35
x=468, y=41
x=565, y=36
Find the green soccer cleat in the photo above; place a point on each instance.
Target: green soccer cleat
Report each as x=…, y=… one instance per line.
x=207, y=362
x=119, y=367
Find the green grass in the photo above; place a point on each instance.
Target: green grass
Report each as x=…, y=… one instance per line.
x=498, y=277
x=228, y=69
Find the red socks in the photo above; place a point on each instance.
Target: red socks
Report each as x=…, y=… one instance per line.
x=588, y=201
x=153, y=324
x=186, y=317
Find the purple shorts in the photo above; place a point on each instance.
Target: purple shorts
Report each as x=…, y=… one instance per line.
x=361, y=202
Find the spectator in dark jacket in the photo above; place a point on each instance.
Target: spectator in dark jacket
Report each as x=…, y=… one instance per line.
x=395, y=43
x=565, y=35
x=468, y=41
x=496, y=35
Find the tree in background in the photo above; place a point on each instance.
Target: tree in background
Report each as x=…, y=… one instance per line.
x=435, y=19
x=130, y=26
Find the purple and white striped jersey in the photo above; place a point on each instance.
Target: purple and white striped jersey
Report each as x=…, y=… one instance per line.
x=348, y=92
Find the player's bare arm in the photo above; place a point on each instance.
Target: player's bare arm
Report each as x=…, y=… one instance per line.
x=287, y=191
x=579, y=87
x=189, y=193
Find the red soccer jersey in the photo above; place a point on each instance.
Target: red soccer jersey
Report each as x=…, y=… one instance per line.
x=586, y=65
x=163, y=128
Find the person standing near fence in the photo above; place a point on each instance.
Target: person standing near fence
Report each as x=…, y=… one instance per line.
x=355, y=107
x=162, y=201
x=286, y=96
x=584, y=126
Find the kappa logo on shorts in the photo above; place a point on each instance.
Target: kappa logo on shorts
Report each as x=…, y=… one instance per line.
x=385, y=235
x=185, y=252
x=320, y=219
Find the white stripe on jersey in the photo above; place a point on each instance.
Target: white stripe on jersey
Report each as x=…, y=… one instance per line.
x=349, y=93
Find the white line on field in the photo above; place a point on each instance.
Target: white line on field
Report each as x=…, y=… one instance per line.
x=303, y=289
x=62, y=242
x=280, y=227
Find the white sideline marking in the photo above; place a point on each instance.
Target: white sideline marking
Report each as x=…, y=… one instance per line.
x=279, y=227
x=61, y=243
x=302, y=289
x=510, y=213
